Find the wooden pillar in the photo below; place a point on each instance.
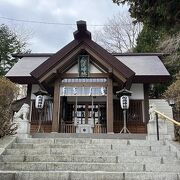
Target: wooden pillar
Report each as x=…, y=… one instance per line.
x=109, y=110
x=29, y=90
x=86, y=113
x=56, y=107
x=29, y=101
x=146, y=102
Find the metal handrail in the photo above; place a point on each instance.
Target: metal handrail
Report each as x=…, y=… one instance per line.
x=168, y=118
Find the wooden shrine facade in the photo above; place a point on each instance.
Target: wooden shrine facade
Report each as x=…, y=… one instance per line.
x=81, y=80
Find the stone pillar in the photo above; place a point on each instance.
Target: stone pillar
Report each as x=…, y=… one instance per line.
x=56, y=107
x=152, y=127
x=23, y=130
x=109, y=107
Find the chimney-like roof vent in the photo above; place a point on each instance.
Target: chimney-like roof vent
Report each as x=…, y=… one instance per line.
x=82, y=32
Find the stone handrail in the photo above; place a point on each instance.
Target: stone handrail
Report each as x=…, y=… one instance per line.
x=168, y=118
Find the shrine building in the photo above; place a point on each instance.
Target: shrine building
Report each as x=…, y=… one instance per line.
x=81, y=81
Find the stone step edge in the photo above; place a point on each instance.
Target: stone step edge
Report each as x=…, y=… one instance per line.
x=85, y=172
x=92, y=163
x=86, y=156
x=88, y=140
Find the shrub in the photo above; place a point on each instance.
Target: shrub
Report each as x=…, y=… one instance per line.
x=173, y=92
x=8, y=92
x=177, y=133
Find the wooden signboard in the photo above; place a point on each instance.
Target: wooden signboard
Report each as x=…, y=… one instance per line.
x=83, y=63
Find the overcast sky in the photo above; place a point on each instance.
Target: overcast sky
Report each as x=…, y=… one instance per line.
x=48, y=37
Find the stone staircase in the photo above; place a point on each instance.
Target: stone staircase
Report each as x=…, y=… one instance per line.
x=89, y=159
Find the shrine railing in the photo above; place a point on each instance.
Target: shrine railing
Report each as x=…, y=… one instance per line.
x=100, y=128
x=68, y=128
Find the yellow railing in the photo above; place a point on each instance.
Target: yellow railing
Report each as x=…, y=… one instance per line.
x=168, y=118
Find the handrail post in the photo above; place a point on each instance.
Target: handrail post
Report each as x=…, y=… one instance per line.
x=157, y=126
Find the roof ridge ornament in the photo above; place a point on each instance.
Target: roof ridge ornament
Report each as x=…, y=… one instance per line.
x=81, y=32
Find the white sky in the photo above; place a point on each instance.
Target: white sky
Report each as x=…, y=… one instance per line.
x=50, y=38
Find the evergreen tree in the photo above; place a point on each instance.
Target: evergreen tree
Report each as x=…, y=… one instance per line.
x=10, y=43
x=155, y=13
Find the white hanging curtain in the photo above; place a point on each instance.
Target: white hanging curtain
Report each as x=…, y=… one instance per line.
x=83, y=91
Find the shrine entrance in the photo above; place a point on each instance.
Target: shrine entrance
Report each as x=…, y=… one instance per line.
x=84, y=113
x=83, y=109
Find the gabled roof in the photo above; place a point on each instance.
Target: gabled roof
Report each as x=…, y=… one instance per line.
x=54, y=59
x=82, y=40
x=147, y=67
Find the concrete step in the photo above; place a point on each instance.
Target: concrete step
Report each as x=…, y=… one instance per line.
x=88, y=159
x=79, y=166
x=89, y=146
x=53, y=141
x=90, y=135
x=69, y=152
x=89, y=151
x=71, y=175
x=90, y=141
x=72, y=166
x=162, y=168
x=155, y=153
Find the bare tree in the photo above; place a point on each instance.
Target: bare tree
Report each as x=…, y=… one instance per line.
x=171, y=46
x=118, y=34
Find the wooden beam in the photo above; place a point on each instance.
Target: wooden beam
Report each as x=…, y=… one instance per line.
x=104, y=64
x=65, y=60
x=84, y=84
x=91, y=75
x=56, y=107
x=109, y=110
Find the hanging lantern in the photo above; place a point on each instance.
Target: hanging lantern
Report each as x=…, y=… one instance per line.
x=75, y=91
x=124, y=100
x=39, y=102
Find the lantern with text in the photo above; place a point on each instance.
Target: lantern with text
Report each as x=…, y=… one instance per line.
x=124, y=102
x=39, y=104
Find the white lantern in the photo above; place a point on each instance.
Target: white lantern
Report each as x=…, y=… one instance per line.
x=124, y=102
x=39, y=102
x=74, y=91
